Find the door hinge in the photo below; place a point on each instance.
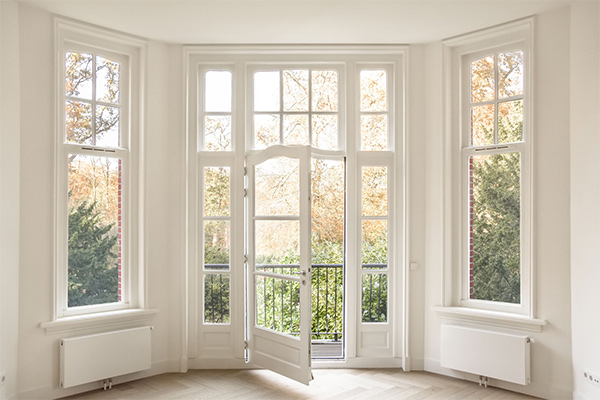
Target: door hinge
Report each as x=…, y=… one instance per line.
x=245, y=192
x=245, y=345
x=245, y=259
x=245, y=170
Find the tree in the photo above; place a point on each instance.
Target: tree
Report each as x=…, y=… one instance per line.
x=93, y=271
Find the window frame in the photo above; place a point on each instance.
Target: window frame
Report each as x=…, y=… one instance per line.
x=460, y=52
x=129, y=52
x=348, y=60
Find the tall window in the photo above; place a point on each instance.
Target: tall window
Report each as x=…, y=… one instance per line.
x=95, y=168
x=495, y=176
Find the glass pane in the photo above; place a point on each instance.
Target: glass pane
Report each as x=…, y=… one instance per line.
x=107, y=80
x=107, y=126
x=216, y=298
x=217, y=96
x=482, y=125
x=494, y=220
x=266, y=91
x=217, y=133
x=216, y=245
x=482, y=80
x=510, y=121
x=277, y=187
x=373, y=132
x=324, y=91
x=78, y=71
x=374, y=244
x=295, y=129
x=373, y=91
x=78, y=121
x=94, y=230
x=325, y=132
x=266, y=130
x=295, y=90
x=327, y=205
x=374, y=298
x=216, y=191
x=278, y=305
x=374, y=191
x=277, y=243
x=510, y=74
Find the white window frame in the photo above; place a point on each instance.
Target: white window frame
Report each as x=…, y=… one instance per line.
x=129, y=52
x=348, y=60
x=459, y=52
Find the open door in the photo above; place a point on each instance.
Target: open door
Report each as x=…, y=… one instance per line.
x=279, y=261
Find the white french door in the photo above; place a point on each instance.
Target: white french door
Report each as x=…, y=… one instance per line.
x=279, y=261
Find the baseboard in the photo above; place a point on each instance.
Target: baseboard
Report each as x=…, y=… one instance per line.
x=544, y=390
x=52, y=392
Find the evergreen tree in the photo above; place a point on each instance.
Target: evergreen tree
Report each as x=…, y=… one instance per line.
x=93, y=272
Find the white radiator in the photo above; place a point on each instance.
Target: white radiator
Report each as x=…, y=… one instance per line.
x=486, y=353
x=91, y=358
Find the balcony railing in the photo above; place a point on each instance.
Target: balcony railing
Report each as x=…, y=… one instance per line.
x=279, y=306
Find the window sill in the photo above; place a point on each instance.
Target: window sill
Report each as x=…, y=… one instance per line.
x=493, y=318
x=110, y=318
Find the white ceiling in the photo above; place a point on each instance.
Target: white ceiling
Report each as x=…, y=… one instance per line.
x=293, y=21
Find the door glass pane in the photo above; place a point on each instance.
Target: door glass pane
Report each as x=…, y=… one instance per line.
x=216, y=245
x=217, y=133
x=216, y=191
x=295, y=90
x=78, y=120
x=373, y=90
x=374, y=297
x=482, y=80
x=374, y=191
x=295, y=129
x=94, y=230
x=510, y=121
x=107, y=80
x=510, y=74
x=217, y=95
x=278, y=305
x=482, y=125
x=107, y=126
x=78, y=71
x=374, y=244
x=324, y=91
x=266, y=130
x=277, y=187
x=266, y=91
x=494, y=221
x=373, y=132
x=277, y=245
x=216, y=298
x=325, y=132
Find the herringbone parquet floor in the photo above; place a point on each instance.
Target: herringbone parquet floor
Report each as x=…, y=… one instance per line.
x=330, y=384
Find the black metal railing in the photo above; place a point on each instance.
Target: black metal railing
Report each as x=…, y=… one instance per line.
x=278, y=302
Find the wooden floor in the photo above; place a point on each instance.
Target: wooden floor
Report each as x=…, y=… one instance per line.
x=342, y=384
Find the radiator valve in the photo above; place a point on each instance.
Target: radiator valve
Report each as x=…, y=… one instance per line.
x=107, y=383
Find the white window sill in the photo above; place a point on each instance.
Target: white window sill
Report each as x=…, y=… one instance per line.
x=109, y=318
x=494, y=318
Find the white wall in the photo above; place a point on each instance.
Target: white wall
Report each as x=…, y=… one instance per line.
x=416, y=145
x=585, y=195
x=9, y=196
x=38, y=373
x=551, y=352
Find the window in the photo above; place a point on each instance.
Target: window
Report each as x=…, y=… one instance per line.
x=97, y=174
x=494, y=172
x=251, y=113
